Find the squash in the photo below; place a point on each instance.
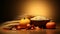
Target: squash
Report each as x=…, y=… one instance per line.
x=24, y=21
x=51, y=25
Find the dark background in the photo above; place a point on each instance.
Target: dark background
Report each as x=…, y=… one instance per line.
x=8, y=11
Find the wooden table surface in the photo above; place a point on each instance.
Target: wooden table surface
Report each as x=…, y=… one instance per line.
x=44, y=31
x=41, y=31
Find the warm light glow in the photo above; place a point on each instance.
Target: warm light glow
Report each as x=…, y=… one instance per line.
x=42, y=8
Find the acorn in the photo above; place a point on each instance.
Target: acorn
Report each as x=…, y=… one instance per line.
x=32, y=27
x=28, y=26
x=18, y=27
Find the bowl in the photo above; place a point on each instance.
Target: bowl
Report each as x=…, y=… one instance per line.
x=39, y=23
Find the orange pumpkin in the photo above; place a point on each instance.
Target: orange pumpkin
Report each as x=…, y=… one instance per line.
x=51, y=25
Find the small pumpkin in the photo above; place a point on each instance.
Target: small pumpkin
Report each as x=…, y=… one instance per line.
x=51, y=25
x=24, y=21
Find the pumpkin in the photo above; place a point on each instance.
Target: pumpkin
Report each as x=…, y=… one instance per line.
x=24, y=21
x=51, y=25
